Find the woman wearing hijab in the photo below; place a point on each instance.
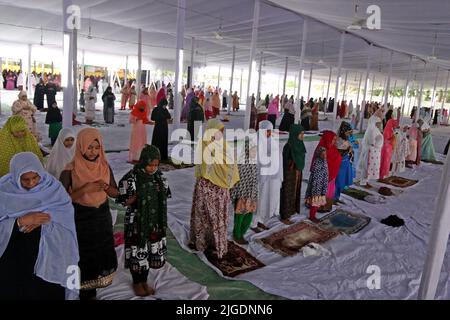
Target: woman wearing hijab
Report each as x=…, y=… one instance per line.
x=388, y=145
x=187, y=105
x=145, y=97
x=235, y=101
x=62, y=152
x=261, y=113
x=215, y=103
x=225, y=100
x=144, y=191
x=345, y=176
x=253, y=115
x=152, y=94
x=305, y=116
x=316, y=193
x=24, y=108
x=160, y=138
x=50, y=90
x=91, y=99
x=38, y=240
x=288, y=116
x=54, y=120
x=370, y=157
x=108, y=99
x=427, y=148
x=270, y=176
x=415, y=145
x=401, y=151
x=216, y=175
x=39, y=93
x=244, y=194
x=132, y=98
x=195, y=114
x=334, y=159
x=293, y=163
x=90, y=182
x=315, y=117
x=15, y=138
x=126, y=92
x=272, y=111
x=138, y=138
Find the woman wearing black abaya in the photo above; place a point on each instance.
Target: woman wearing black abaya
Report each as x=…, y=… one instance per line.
x=39, y=93
x=50, y=91
x=160, y=138
x=195, y=114
x=108, y=99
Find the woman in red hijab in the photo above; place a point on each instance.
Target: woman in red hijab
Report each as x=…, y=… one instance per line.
x=328, y=141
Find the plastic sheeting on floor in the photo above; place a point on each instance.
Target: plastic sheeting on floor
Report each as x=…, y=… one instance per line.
x=398, y=253
x=168, y=283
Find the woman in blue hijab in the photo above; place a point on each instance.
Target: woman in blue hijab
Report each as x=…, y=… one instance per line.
x=38, y=243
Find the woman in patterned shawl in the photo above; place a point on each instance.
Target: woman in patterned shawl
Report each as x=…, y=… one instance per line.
x=244, y=194
x=345, y=176
x=316, y=192
x=144, y=191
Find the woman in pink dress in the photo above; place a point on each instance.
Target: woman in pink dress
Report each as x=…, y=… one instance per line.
x=10, y=81
x=388, y=146
x=138, y=138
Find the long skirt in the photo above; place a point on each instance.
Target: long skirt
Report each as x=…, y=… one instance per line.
x=253, y=120
x=345, y=176
x=373, y=165
x=386, y=158
x=108, y=114
x=209, y=217
x=98, y=260
x=17, y=278
x=138, y=140
x=90, y=111
x=412, y=150
x=314, y=122
x=286, y=122
x=305, y=124
x=427, y=150
x=268, y=201
x=290, y=193
x=272, y=118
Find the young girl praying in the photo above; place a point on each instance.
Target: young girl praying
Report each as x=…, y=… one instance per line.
x=316, y=192
x=144, y=191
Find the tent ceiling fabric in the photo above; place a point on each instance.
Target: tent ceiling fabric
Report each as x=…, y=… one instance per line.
x=407, y=26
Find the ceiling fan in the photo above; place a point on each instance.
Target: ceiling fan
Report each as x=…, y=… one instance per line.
x=218, y=34
x=321, y=62
x=41, y=42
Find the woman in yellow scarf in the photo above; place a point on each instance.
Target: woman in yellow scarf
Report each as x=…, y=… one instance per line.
x=15, y=137
x=216, y=175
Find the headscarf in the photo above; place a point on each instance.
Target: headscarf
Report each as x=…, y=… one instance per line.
x=140, y=111
x=58, y=247
x=53, y=115
x=273, y=107
x=161, y=95
x=60, y=156
x=333, y=156
x=298, y=149
x=344, y=128
x=85, y=171
x=10, y=145
x=371, y=135
x=146, y=187
x=221, y=171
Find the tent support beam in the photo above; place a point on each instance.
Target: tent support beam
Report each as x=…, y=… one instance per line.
x=336, y=91
x=325, y=109
x=310, y=81
x=405, y=91
x=301, y=70
x=366, y=86
x=444, y=97
x=181, y=20
x=232, y=78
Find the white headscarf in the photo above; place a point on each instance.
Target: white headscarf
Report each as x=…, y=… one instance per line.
x=60, y=156
x=372, y=137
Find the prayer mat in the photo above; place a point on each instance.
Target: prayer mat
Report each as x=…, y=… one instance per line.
x=432, y=161
x=364, y=196
x=344, y=221
x=399, y=182
x=237, y=261
x=289, y=241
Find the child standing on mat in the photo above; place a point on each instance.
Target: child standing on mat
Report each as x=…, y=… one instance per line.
x=144, y=191
x=316, y=192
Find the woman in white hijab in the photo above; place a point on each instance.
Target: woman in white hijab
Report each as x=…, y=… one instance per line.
x=370, y=158
x=62, y=152
x=270, y=171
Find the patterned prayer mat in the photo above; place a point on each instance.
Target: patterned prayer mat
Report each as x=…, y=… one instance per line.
x=235, y=262
x=344, y=221
x=399, y=182
x=289, y=241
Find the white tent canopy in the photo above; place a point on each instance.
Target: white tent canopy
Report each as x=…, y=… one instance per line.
x=408, y=27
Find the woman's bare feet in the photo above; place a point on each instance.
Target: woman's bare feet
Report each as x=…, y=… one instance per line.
x=139, y=290
x=150, y=291
x=262, y=226
x=287, y=221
